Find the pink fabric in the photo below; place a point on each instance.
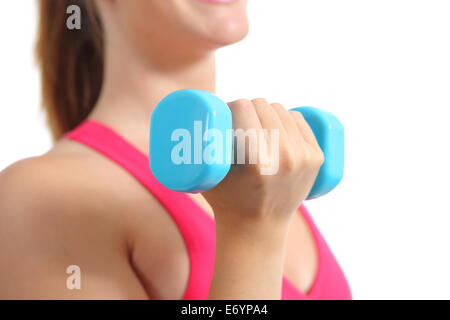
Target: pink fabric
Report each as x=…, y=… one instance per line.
x=198, y=228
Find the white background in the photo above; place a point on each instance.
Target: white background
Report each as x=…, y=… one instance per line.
x=383, y=67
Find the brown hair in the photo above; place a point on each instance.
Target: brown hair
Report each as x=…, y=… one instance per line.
x=71, y=63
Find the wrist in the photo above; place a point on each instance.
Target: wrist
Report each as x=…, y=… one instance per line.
x=249, y=261
x=252, y=233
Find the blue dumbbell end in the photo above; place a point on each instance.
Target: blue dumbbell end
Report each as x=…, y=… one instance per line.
x=187, y=131
x=329, y=133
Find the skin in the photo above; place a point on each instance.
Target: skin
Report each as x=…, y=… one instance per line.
x=74, y=206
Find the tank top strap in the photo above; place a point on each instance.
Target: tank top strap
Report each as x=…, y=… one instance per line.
x=196, y=227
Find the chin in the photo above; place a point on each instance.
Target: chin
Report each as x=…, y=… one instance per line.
x=224, y=30
x=229, y=34
x=221, y=25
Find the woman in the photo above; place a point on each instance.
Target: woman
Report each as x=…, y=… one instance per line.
x=91, y=201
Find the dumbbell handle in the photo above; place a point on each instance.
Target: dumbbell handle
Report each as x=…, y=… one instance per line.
x=180, y=112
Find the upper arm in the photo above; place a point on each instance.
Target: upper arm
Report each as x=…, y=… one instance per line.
x=46, y=226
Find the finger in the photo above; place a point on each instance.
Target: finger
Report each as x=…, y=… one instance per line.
x=268, y=117
x=244, y=115
x=272, y=123
x=289, y=124
x=245, y=126
x=305, y=129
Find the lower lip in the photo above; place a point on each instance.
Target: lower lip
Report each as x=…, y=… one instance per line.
x=218, y=1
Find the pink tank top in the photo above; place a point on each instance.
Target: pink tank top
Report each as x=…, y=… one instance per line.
x=197, y=227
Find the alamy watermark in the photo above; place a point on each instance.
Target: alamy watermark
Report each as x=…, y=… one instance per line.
x=73, y=21
x=261, y=150
x=73, y=281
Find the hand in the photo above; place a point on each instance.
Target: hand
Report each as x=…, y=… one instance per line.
x=252, y=210
x=248, y=195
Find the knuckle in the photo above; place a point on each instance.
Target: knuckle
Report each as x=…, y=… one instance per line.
x=279, y=108
x=241, y=103
x=320, y=157
x=308, y=158
x=257, y=101
x=287, y=160
x=297, y=115
x=313, y=157
x=277, y=105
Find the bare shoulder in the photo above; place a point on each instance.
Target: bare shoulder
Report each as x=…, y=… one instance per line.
x=55, y=212
x=69, y=180
x=33, y=182
x=46, y=183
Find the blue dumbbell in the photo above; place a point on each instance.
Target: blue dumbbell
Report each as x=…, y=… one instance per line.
x=188, y=154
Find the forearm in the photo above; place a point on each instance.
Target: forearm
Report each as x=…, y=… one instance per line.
x=249, y=262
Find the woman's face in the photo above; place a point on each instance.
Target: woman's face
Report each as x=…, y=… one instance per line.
x=185, y=25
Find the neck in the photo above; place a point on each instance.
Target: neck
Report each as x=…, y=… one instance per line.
x=132, y=88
